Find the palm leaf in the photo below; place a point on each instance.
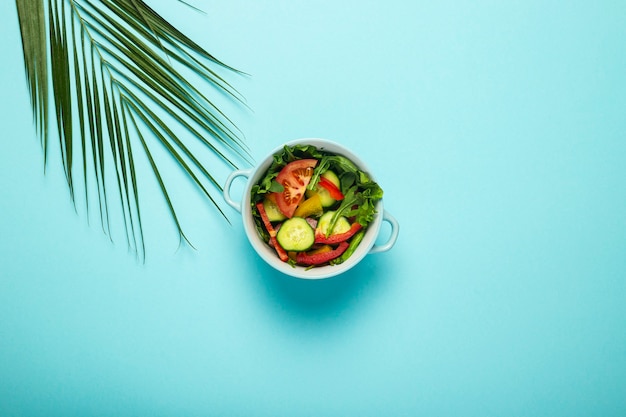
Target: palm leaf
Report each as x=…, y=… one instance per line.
x=31, y=17
x=107, y=68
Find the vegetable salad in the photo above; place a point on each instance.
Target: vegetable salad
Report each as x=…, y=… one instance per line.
x=313, y=207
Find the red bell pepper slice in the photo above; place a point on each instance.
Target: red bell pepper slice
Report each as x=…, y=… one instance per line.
x=332, y=189
x=340, y=237
x=321, y=258
x=282, y=254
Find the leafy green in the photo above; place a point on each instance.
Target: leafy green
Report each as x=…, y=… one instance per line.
x=338, y=163
x=359, y=202
x=360, y=192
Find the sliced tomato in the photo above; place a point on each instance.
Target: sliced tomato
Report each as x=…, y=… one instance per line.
x=294, y=178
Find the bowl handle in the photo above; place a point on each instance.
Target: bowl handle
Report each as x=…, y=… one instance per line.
x=395, y=229
x=226, y=192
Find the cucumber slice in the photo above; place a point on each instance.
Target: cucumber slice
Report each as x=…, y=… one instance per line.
x=342, y=225
x=325, y=197
x=271, y=208
x=296, y=234
x=332, y=177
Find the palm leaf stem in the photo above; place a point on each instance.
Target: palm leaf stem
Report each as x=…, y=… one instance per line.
x=179, y=54
x=148, y=117
x=158, y=71
x=160, y=81
x=180, y=120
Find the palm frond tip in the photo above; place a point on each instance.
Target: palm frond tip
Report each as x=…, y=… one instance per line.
x=106, y=68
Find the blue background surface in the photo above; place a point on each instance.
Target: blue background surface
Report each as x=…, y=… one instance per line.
x=498, y=132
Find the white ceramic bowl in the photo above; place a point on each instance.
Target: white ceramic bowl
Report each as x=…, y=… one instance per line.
x=367, y=246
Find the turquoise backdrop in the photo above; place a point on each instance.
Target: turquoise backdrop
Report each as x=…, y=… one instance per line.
x=496, y=128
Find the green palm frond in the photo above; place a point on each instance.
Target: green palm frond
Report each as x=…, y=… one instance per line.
x=115, y=74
